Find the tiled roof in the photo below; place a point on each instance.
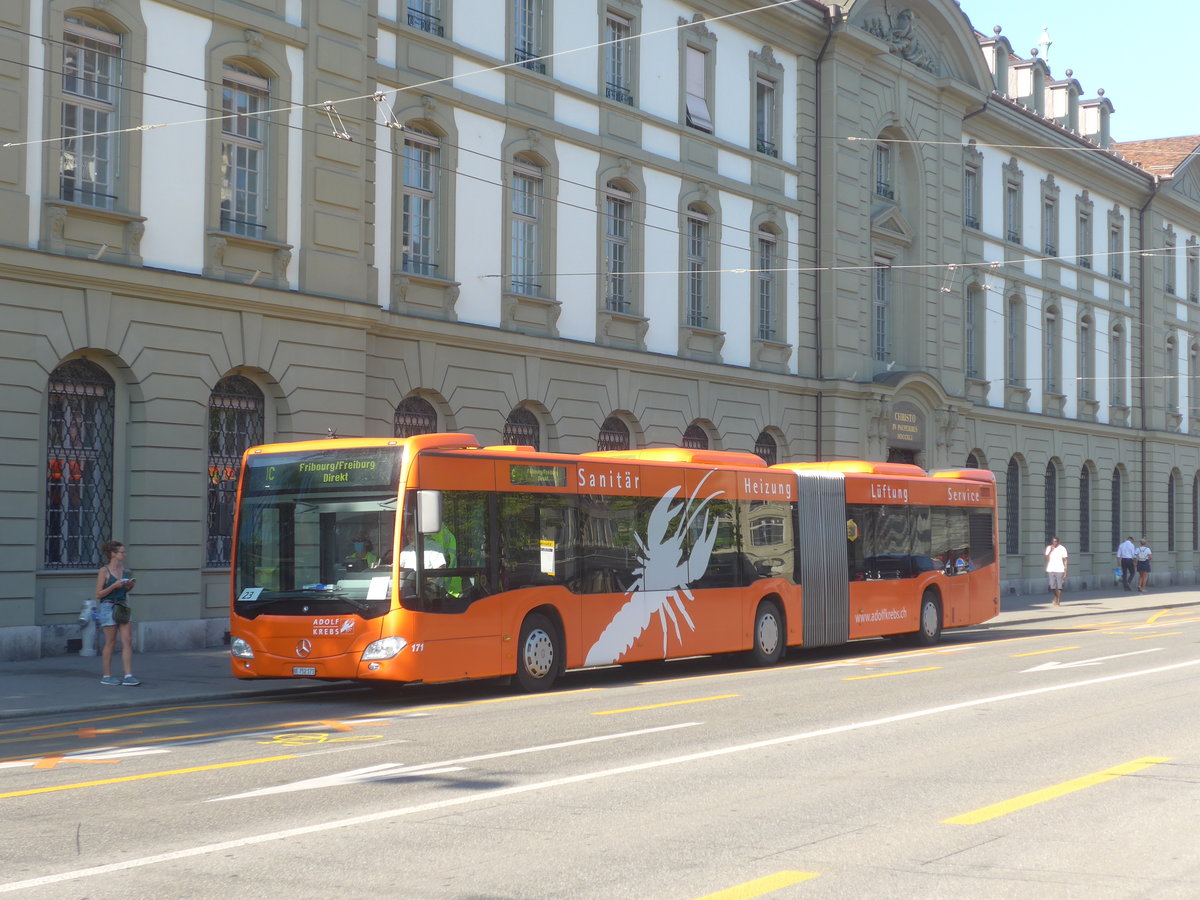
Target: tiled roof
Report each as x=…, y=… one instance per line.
x=1161, y=156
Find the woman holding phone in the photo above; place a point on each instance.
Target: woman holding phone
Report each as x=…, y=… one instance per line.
x=113, y=584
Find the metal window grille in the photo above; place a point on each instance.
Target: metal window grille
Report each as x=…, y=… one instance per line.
x=522, y=428
x=1196, y=512
x=972, y=461
x=90, y=78
x=527, y=34
x=424, y=15
x=526, y=216
x=1051, y=502
x=1116, y=508
x=235, y=423
x=695, y=438
x=766, y=449
x=1085, y=512
x=614, y=435
x=618, y=211
x=697, y=276
x=1012, y=525
x=79, y=464
x=419, y=202
x=415, y=415
x=1171, y=512
x=765, y=278
x=244, y=100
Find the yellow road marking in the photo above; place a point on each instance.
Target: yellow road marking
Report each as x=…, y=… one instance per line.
x=609, y=712
x=890, y=674
x=1068, y=787
x=126, y=715
x=84, y=784
x=1148, y=637
x=1039, y=652
x=761, y=886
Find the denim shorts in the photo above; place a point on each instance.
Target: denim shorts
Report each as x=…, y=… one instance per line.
x=106, y=613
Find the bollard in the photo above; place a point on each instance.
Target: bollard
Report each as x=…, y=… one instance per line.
x=87, y=617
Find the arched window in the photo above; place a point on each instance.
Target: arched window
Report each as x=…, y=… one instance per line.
x=81, y=410
x=415, y=415
x=695, y=438
x=1051, y=505
x=1196, y=512
x=522, y=428
x=972, y=461
x=419, y=219
x=1012, y=524
x=1085, y=511
x=235, y=422
x=1116, y=508
x=766, y=448
x=614, y=435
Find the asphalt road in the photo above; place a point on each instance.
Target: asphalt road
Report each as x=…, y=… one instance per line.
x=1025, y=761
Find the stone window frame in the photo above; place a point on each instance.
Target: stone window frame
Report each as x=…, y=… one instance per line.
x=972, y=187
x=629, y=11
x=1118, y=344
x=1087, y=481
x=1051, y=479
x=1014, y=482
x=1085, y=247
x=423, y=413
x=1086, y=328
x=883, y=304
x=1014, y=203
x=614, y=434
x=770, y=347
x=1053, y=335
x=1170, y=257
x=975, y=329
x=1193, y=384
x=262, y=258
x=703, y=338
x=702, y=115
x=1192, y=265
x=523, y=418
x=625, y=327
x=1015, y=373
x=521, y=310
x=766, y=71
x=1116, y=243
x=69, y=227
x=1050, y=215
x=1171, y=372
x=539, y=56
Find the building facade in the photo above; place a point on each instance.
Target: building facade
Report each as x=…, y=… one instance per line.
x=800, y=230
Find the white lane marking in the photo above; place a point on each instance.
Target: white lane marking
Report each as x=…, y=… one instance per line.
x=445, y=766
x=356, y=776
x=489, y=796
x=1094, y=661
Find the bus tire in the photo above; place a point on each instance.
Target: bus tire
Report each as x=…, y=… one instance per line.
x=539, y=654
x=768, y=638
x=930, y=622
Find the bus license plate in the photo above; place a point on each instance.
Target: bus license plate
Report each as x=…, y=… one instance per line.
x=304, y=670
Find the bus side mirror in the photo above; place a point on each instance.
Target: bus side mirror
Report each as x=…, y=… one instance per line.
x=429, y=512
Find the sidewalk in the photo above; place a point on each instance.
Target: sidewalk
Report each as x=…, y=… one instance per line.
x=70, y=684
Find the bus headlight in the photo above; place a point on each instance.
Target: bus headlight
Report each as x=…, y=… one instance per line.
x=241, y=649
x=385, y=648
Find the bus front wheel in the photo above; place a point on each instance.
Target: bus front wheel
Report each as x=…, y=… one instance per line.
x=931, y=620
x=768, y=636
x=538, y=654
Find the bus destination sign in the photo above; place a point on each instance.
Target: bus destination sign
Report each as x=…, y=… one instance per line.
x=376, y=467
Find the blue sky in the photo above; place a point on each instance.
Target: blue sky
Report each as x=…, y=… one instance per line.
x=1144, y=55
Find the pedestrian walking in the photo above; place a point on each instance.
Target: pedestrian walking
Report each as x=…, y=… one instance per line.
x=113, y=584
x=1056, y=568
x=1143, y=554
x=1125, y=556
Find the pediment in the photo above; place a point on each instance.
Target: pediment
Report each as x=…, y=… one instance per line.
x=1187, y=182
x=891, y=225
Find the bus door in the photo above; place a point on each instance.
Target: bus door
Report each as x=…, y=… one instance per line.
x=445, y=574
x=705, y=531
x=950, y=553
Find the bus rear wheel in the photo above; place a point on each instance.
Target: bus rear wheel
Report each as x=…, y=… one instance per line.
x=930, y=622
x=768, y=637
x=538, y=654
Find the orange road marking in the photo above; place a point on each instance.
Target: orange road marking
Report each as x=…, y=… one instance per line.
x=69, y=787
x=93, y=732
x=51, y=762
x=889, y=674
x=1039, y=652
x=335, y=724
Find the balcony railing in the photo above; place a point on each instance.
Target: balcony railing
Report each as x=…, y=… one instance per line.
x=616, y=304
x=619, y=93
x=529, y=60
x=771, y=150
x=883, y=189
x=423, y=21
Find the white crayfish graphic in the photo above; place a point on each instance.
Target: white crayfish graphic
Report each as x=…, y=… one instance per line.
x=662, y=562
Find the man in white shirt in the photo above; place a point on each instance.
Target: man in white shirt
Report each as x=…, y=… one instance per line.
x=1056, y=568
x=1125, y=556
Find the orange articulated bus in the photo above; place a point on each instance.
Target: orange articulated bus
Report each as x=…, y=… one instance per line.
x=432, y=559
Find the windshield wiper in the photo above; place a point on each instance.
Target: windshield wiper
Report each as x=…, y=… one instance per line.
x=299, y=593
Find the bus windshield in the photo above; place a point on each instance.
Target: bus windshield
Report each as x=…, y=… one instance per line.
x=315, y=533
